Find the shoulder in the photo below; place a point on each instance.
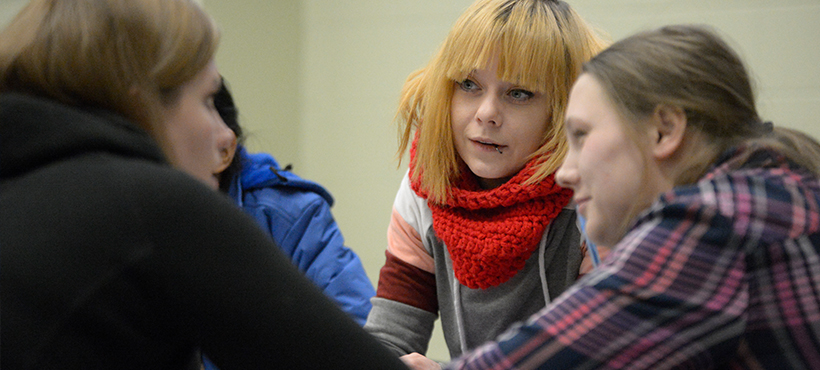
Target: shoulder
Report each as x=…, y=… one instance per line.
x=192, y=228
x=263, y=175
x=410, y=228
x=186, y=202
x=163, y=200
x=133, y=181
x=411, y=207
x=285, y=200
x=143, y=202
x=412, y=210
x=752, y=205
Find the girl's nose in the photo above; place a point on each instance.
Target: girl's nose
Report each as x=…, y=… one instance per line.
x=567, y=175
x=489, y=110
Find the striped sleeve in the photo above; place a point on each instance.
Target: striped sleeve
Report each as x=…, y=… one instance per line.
x=408, y=273
x=409, y=223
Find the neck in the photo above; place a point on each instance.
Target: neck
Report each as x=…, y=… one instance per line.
x=487, y=184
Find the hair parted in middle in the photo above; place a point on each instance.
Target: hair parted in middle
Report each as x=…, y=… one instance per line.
x=541, y=46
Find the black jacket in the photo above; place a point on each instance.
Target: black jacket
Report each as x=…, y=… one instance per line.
x=111, y=259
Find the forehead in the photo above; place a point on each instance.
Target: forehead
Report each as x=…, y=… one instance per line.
x=586, y=98
x=518, y=60
x=205, y=81
x=208, y=77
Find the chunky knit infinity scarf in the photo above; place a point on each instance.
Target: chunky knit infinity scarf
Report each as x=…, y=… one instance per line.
x=490, y=234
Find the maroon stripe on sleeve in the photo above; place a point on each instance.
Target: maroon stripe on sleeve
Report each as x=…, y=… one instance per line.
x=402, y=282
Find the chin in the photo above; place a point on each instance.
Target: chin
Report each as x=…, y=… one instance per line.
x=211, y=181
x=492, y=174
x=593, y=234
x=607, y=239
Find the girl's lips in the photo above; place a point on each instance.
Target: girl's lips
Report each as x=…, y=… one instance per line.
x=580, y=205
x=488, y=145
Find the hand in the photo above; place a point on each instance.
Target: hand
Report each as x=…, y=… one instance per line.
x=417, y=361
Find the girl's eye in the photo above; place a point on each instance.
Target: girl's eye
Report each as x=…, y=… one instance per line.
x=468, y=85
x=577, y=135
x=521, y=95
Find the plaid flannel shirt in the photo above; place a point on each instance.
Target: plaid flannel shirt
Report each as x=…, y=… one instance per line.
x=721, y=274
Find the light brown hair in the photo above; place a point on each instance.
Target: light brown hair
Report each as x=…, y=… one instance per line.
x=127, y=56
x=691, y=67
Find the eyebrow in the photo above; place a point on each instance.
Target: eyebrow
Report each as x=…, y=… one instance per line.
x=568, y=121
x=467, y=75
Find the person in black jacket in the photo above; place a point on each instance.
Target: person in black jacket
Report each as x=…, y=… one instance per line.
x=110, y=258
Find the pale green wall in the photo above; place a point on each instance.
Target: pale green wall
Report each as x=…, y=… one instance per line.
x=259, y=55
x=317, y=81
x=8, y=8
x=777, y=39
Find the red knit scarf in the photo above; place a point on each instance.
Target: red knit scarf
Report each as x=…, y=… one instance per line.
x=490, y=234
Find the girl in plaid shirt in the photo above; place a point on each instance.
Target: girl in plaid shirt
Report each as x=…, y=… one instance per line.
x=713, y=216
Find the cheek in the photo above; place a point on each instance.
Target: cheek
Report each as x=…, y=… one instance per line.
x=616, y=184
x=536, y=135
x=531, y=137
x=209, y=139
x=534, y=124
x=176, y=136
x=459, y=116
x=458, y=125
x=194, y=139
x=620, y=179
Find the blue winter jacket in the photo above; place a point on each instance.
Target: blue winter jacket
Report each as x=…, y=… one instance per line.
x=296, y=213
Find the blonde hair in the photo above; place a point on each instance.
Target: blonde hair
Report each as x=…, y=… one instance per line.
x=541, y=46
x=127, y=56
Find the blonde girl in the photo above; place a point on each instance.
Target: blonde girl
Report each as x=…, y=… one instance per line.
x=480, y=232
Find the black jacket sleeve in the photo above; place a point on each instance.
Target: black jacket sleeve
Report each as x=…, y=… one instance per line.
x=235, y=291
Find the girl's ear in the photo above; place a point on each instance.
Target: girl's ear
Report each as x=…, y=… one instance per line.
x=226, y=155
x=668, y=124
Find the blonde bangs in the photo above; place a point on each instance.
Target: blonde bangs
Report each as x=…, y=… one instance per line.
x=532, y=32
x=526, y=28
x=471, y=44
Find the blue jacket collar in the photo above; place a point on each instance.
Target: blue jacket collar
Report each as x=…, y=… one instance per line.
x=261, y=170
